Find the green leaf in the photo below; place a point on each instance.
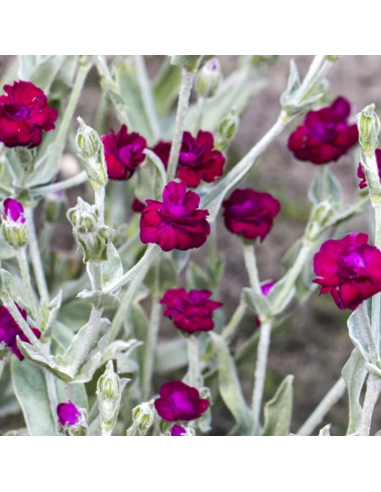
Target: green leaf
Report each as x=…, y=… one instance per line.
x=278, y=299
x=64, y=81
x=229, y=385
x=30, y=388
x=196, y=278
x=256, y=303
x=168, y=278
x=171, y=356
x=278, y=412
x=112, y=268
x=167, y=87
x=360, y=332
x=325, y=187
x=44, y=73
x=80, y=395
x=354, y=374
x=326, y=431
x=152, y=178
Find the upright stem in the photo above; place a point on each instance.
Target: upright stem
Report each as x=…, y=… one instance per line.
x=150, y=348
x=24, y=270
x=36, y=258
x=147, y=96
x=334, y=395
x=260, y=375
x=230, y=329
x=194, y=371
x=372, y=395
x=182, y=108
x=200, y=116
x=252, y=268
x=52, y=394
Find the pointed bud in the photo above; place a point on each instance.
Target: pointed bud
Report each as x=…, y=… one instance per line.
x=13, y=226
x=91, y=152
x=72, y=419
x=93, y=238
x=209, y=79
x=109, y=393
x=143, y=418
x=227, y=131
x=369, y=129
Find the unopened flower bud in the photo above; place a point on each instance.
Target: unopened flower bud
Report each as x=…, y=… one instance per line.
x=13, y=226
x=227, y=131
x=208, y=79
x=333, y=58
x=55, y=206
x=72, y=419
x=109, y=393
x=143, y=418
x=190, y=62
x=92, y=237
x=369, y=129
x=178, y=431
x=25, y=157
x=90, y=149
x=259, y=59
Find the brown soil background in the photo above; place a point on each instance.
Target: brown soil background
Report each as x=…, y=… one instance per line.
x=313, y=344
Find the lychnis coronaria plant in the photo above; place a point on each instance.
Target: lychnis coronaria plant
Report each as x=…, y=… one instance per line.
x=117, y=315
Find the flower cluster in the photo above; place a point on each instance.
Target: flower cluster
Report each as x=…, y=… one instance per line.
x=24, y=114
x=191, y=312
x=10, y=330
x=349, y=269
x=325, y=135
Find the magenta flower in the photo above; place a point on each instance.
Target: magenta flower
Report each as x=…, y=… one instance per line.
x=13, y=211
x=24, y=114
x=10, y=330
x=138, y=206
x=163, y=150
x=325, y=135
x=191, y=312
x=178, y=431
x=250, y=214
x=349, y=269
x=175, y=223
x=361, y=174
x=68, y=414
x=124, y=152
x=180, y=402
x=198, y=160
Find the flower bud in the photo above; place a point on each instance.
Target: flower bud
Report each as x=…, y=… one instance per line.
x=72, y=419
x=190, y=62
x=369, y=129
x=26, y=157
x=208, y=79
x=91, y=152
x=333, y=58
x=178, y=431
x=55, y=207
x=92, y=237
x=259, y=59
x=227, y=131
x=109, y=393
x=13, y=226
x=143, y=418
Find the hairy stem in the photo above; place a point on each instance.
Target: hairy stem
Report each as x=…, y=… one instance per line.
x=194, y=373
x=330, y=400
x=372, y=395
x=150, y=347
x=252, y=268
x=230, y=329
x=24, y=270
x=53, y=398
x=36, y=258
x=62, y=185
x=182, y=108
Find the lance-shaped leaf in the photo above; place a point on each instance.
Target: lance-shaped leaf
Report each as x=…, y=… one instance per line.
x=325, y=187
x=326, y=431
x=121, y=352
x=44, y=73
x=166, y=87
x=229, y=385
x=79, y=397
x=152, y=178
x=280, y=297
x=278, y=412
x=258, y=304
x=354, y=374
x=361, y=334
x=31, y=391
x=49, y=312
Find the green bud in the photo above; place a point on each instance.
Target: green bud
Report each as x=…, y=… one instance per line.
x=333, y=58
x=91, y=152
x=320, y=216
x=209, y=79
x=55, y=207
x=93, y=238
x=143, y=418
x=227, y=131
x=26, y=158
x=109, y=393
x=259, y=59
x=190, y=62
x=369, y=129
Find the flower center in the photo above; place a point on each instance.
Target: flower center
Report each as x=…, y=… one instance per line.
x=18, y=112
x=180, y=401
x=351, y=264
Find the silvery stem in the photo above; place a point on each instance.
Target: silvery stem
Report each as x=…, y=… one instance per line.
x=24, y=270
x=372, y=395
x=194, y=370
x=230, y=329
x=150, y=348
x=252, y=268
x=61, y=185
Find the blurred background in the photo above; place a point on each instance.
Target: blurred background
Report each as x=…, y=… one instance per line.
x=313, y=343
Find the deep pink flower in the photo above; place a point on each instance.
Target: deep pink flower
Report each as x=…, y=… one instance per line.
x=178, y=431
x=10, y=330
x=68, y=414
x=175, y=223
x=349, y=269
x=361, y=174
x=13, y=211
x=198, y=160
x=250, y=214
x=24, y=114
x=325, y=135
x=163, y=150
x=191, y=312
x=138, y=206
x=180, y=402
x=124, y=152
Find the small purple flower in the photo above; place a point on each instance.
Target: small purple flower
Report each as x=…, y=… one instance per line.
x=178, y=431
x=13, y=211
x=68, y=414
